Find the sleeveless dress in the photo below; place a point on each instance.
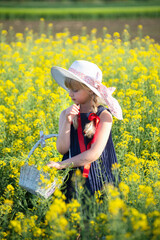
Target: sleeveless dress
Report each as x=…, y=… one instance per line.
x=100, y=170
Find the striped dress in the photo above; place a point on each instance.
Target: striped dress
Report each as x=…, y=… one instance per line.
x=100, y=170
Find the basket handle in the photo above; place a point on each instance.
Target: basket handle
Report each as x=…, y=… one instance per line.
x=41, y=141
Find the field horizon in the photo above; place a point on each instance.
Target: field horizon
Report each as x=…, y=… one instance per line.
x=151, y=26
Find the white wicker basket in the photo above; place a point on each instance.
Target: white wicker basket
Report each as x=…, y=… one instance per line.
x=30, y=176
x=30, y=179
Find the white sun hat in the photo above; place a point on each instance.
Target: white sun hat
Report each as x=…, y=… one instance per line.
x=81, y=71
x=89, y=74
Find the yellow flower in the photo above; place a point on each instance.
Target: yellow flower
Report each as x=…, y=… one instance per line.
x=8, y=202
x=139, y=220
x=157, y=185
x=134, y=177
x=137, y=140
x=6, y=150
x=94, y=30
x=141, y=129
x=156, y=224
x=115, y=205
x=50, y=25
x=2, y=163
x=109, y=237
x=112, y=191
x=56, y=209
x=102, y=218
x=19, y=215
x=150, y=201
x=116, y=35
x=10, y=188
x=4, y=32
x=78, y=172
x=124, y=188
x=73, y=205
x=16, y=225
x=140, y=27
x=37, y=232
x=71, y=234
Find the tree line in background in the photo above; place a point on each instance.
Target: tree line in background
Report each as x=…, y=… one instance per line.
x=73, y=1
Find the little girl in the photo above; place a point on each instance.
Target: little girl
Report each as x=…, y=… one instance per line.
x=84, y=138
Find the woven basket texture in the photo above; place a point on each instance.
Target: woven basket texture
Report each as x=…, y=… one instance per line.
x=30, y=180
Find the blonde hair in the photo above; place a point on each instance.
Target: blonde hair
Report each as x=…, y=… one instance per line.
x=89, y=129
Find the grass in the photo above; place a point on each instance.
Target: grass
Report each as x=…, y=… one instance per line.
x=79, y=13
x=71, y=4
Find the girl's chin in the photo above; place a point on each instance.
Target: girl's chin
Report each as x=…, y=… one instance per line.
x=75, y=101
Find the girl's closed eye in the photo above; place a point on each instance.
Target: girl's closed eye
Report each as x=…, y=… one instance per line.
x=75, y=90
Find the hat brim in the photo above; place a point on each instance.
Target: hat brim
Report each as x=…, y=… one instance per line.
x=60, y=74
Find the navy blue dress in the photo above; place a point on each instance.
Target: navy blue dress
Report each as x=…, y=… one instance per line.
x=100, y=170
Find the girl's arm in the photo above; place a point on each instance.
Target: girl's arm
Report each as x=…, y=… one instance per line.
x=96, y=149
x=66, y=118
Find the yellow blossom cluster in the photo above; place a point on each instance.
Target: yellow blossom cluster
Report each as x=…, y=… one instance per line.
x=31, y=101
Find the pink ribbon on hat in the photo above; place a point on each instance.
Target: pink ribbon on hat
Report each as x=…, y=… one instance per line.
x=105, y=92
x=111, y=102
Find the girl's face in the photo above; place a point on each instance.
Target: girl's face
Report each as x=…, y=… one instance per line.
x=80, y=96
x=78, y=92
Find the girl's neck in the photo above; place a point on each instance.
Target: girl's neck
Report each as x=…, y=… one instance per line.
x=85, y=108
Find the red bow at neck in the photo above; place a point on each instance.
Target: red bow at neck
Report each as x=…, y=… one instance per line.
x=93, y=117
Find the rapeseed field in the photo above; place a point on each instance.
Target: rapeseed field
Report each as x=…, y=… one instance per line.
x=30, y=102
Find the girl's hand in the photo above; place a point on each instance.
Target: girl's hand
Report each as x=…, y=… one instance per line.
x=71, y=112
x=56, y=165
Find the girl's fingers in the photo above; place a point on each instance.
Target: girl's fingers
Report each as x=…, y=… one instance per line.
x=50, y=164
x=54, y=165
x=75, y=107
x=73, y=110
